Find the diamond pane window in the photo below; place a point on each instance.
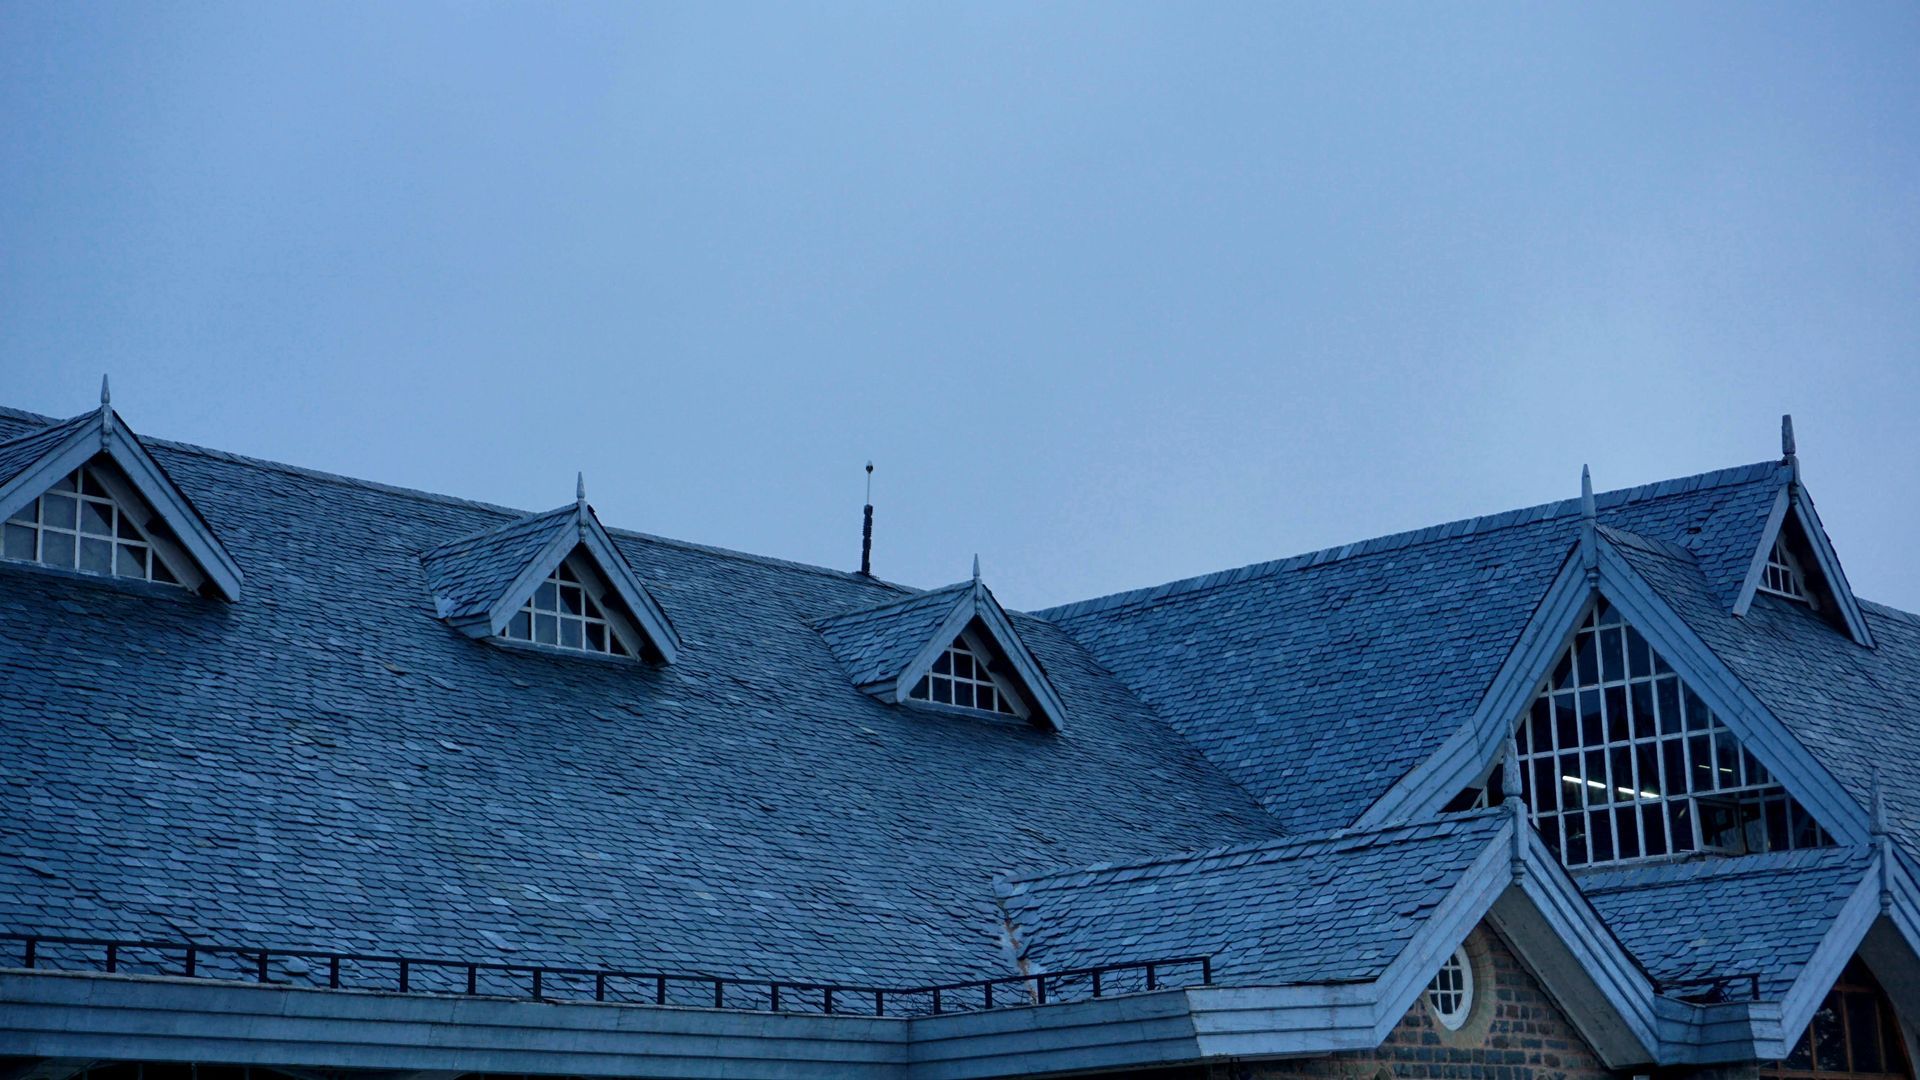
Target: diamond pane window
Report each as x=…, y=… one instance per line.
x=1782, y=575
x=80, y=525
x=1620, y=760
x=563, y=613
x=961, y=677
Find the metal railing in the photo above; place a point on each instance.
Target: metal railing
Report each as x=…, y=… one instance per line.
x=318, y=968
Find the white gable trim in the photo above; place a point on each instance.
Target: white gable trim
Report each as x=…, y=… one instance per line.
x=1468, y=754
x=586, y=534
x=1474, y=748
x=978, y=604
x=1793, y=498
x=107, y=434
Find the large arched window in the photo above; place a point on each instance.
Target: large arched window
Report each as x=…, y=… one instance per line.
x=1620, y=760
x=1854, y=1036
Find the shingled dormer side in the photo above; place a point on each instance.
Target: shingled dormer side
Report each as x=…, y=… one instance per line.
x=953, y=649
x=85, y=495
x=555, y=580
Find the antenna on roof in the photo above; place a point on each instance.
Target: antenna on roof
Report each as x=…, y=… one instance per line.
x=866, y=529
x=1589, y=521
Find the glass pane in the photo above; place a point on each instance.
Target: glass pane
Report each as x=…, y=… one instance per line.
x=161, y=573
x=963, y=695
x=570, y=633
x=1639, y=655
x=19, y=542
x=963, y=665
x=1654, y=826
x=1863, y=1031
x=572, y=600
x=943, y=691
x=125, y=528
x=546, y=597
x=1612, y=659
x=69, y=482
x=96, y=518
x=1667, y=690
x=90, y=484
x=546, y=629
x=920, y=690
x=57, y=549
x=1592, y=726
x=130, y=561
x=943, y=664
x=1829, y=1044
x=1640, y=697
x=520, y=627
x=96, y=556
x=596, y=637
x=1599, y=835
x=59, y=511
x=27, y=512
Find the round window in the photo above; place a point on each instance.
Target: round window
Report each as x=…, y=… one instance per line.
x=1450, y=994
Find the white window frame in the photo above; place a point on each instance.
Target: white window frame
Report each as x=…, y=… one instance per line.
x=161, y=561
x=983, y=661
x=1665, y=727
x=1781, y=576
x=601, y=608
x=1450, y=994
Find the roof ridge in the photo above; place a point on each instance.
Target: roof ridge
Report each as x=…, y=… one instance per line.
x=511, y=513
x=898, y=601
x=477, y=534
x=1889, y=611
x=1651, y=544
x=1410, y=538
x=1390, y=832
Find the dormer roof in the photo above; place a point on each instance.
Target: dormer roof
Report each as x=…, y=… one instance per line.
x=33, y=463
x=480, y=580
x=889, y=648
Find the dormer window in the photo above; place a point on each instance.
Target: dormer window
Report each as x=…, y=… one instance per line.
x=962, y=676
x=564, y=614
x=87, y=521
x=1782, y=574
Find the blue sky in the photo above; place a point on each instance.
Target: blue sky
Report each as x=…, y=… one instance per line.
x=1111, y=293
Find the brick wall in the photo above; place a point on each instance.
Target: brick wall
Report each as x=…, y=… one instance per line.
x=1514, y=1032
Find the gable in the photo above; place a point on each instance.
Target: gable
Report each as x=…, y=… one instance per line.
x=925, y=650
x=531, y=580
x=1321, y=680
x=98, y=450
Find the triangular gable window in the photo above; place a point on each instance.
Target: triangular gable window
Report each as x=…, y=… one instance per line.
x=93, y=521
x=964, y=677
x=1781, y=575
x=568, y=611
x=1619, y=760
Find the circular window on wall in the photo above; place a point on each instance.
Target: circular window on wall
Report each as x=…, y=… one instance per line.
x=1450, y=994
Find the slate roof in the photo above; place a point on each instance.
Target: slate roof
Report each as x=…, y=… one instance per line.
x=1855, y=709
x=1331, y=908
x=1319, y=680
x=470, y=574
x=1759, y=915
x=324, y=763
x=22, y=449
x=876, y=644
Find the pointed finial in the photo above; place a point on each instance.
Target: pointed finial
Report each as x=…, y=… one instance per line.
x=869, y=483
x=1510, y=774
x=976, y=567
x=1589, y=541
x=1786, y=436
x=580, y=486
x=106, y=395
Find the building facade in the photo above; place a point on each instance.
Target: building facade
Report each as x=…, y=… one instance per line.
x=306, y=775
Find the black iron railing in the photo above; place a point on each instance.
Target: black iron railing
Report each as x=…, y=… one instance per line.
x=320, y=968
